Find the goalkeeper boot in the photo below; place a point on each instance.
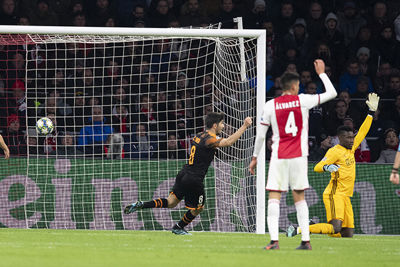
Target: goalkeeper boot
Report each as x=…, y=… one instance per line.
x=291, y=231
x=305, y=245
x=179, y=231
x=133, y=207
x=272, y=245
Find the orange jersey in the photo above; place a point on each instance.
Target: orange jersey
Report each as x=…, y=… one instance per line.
x=342, y=181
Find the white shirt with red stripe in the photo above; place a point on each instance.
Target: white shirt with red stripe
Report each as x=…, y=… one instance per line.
x=288, y=117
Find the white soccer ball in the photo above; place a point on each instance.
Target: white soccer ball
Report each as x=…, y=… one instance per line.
x=44, y=126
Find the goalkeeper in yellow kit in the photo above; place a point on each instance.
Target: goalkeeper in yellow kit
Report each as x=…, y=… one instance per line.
x=339, y=161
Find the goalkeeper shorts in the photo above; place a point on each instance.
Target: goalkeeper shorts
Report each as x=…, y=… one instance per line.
x=338, y=207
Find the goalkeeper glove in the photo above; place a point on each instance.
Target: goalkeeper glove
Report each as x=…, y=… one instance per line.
x=331, y=168
x=372, y=102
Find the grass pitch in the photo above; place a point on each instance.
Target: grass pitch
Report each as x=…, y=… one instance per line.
x=57, y=248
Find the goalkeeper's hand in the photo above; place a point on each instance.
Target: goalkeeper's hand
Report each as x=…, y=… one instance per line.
x=331, y=168
x=372, y=102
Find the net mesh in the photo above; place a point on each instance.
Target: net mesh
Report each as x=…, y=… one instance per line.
x=125, y=109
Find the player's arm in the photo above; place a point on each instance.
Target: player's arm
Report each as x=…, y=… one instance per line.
x=235, y=136
x=328, y=163
x=260, y=138
x=394, y=175
x=372, y=102
x=4, y=147
x=330, y=91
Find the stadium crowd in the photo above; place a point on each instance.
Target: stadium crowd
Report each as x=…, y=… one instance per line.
x=96, y=96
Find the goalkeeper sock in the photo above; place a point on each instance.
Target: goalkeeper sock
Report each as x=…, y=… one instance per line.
x=336, y=235
x=273, y=219
x=156, y=203
x=186, y=219
x=302, y=219
x=322, y=228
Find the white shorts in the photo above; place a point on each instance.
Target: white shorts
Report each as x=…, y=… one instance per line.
x=285, y=173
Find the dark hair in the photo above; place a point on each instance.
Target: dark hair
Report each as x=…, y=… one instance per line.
x=288, y=78
x=342, y=129
x=213, y=117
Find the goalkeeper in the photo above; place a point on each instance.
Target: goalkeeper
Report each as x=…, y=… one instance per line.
x=339, y=161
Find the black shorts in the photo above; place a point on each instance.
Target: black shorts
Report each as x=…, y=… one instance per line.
x=191, y=188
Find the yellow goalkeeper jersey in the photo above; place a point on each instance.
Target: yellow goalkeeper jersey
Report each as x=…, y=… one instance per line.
x=342, y=181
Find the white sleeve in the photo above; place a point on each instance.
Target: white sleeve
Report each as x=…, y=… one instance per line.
x=263, y=127
x=330, y=91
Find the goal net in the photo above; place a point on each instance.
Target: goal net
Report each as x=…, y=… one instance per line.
x=125, y=104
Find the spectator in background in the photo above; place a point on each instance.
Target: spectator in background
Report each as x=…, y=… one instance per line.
x=32, y=142
x=77, y=120
x=298, y=38
x=142, y=146
x=174, y=150
x=364, y=39
x=315, y=20
x=352, y=107
x=17, y=101
x=324, y=142
x=333, y=38
x=23, y=20
x=121, y=119
x=362, y=89
x=391, y=111
x=14, y=136
x=272, y=44
x=367, y=68
x=362, y=153
x=93, y=137
x=67, y=148
x=350, y=21
x=348, y=80
x=382, y=78
x=75, y=7
x=394, y=87
x=387, y=46
x=192, y=15
x=388, y=154
x=305, y=78
x=79, y=19
x=285, y=19
x=50, y=141
x=160, y=17
x=138, y=14
x=226, y=14
x=378, y=18
x=8, y=15
x=15, y=68
x=42, y=15
x=257, y=16
x=101, y=13
x=315, y=114
x=335, y=119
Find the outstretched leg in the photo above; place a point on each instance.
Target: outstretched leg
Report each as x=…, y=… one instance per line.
x=170, y=202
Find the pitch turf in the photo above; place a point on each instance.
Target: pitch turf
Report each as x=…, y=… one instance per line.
x=57, y=248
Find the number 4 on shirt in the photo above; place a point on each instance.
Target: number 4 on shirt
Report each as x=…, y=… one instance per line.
x=290, y=126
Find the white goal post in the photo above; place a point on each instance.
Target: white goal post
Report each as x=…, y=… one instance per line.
x=77, y=191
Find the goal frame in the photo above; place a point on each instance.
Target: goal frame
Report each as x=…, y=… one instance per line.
x=180, y=32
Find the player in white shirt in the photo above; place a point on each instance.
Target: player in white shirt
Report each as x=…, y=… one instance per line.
x=288, y=117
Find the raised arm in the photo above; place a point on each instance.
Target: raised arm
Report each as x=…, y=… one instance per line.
x=5, y=148
x=330, y=91
x=372, y=103
x=235, y=136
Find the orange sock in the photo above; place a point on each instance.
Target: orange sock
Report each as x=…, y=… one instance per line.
x=322, y=228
